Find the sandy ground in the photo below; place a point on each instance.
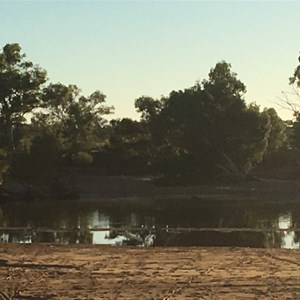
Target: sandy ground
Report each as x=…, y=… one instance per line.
x=99, y=272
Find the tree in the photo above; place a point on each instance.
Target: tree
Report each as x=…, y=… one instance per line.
x=128, y=148
x=278, y=133
x=249, y=143
x=39, y=164
x=3, y=164
x=290, y=99
x=74, y=118
x=222, y=81
x=207, y=129
x=148, y=107
x=295, y=79
x=20, y=90
x=295, y=107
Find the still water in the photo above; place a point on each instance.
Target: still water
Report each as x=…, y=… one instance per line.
x=161, y=223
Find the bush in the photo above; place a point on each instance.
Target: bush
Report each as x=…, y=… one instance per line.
x=82, y=159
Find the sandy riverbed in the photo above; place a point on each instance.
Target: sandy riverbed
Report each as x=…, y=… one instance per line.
x=41, y=271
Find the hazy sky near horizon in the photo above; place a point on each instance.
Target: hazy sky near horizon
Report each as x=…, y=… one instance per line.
x=128, y=49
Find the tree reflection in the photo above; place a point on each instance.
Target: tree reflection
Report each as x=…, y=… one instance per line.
x=219, y=239
x=71, y=222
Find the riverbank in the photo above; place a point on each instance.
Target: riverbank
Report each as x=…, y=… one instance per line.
x=99, y=188
x=44, y=271
x=129, y=189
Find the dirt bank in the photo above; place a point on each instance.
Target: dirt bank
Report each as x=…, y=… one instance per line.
x=134, y=189
x=100, y=187
x=97, y=272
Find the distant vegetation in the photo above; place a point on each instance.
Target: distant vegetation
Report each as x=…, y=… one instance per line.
x=203, y=133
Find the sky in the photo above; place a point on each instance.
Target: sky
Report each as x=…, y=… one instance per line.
x=128, y=49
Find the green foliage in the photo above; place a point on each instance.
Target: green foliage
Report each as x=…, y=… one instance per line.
x=4, y=165
x=222, y=81
x=203, y=132
x=148, y=107
x=82, y=159
x=277, y=139
x=20, y=90
x=295, y=79
x=74, y=118
x=40, y=164
x=129, y=148
x=295, y=137
x=208, y=128
x=296, y=134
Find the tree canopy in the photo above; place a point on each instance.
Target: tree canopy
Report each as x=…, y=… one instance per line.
x=295, y=79
x=203, y=132
x=208, y=129
x=20, y=90
x=72, y=117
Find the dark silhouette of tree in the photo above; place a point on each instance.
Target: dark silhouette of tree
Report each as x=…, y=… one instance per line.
x=20, y=90
x=207, y=130
x=294, y=106
x=74, y=118
x=38, y=165
x=200, y=133
x=295, y=79
x=128, y=149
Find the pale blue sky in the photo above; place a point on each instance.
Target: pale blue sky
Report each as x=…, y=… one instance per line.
x=129, y=49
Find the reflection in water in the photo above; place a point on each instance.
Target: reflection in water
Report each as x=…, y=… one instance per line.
x=158, y=225
x=102, y=237
x=289, y=238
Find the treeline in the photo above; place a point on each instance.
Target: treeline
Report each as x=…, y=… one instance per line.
x=205, y=132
